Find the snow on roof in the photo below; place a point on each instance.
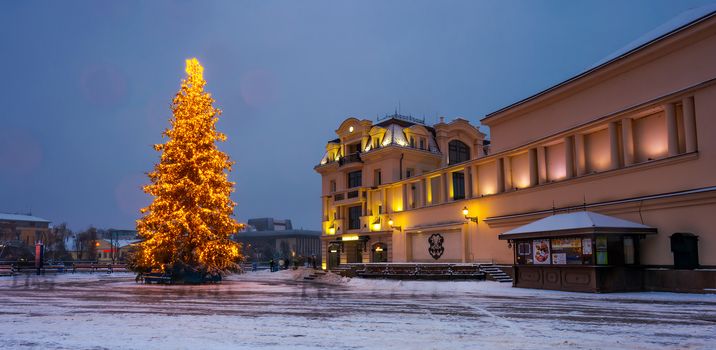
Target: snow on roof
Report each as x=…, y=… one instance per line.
x=125, y=242
x=21, y=217
x=575, y=221
x=683, y=19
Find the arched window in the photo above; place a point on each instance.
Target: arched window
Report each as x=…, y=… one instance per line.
x=458, y=152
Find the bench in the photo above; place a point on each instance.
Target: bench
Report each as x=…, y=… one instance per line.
x=158, y=278
x=7, y=270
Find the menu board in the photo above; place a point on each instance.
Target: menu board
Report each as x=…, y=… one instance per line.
x=540, y=251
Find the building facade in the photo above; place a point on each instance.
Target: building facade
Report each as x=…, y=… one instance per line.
x=629, y=138
x=264, y=239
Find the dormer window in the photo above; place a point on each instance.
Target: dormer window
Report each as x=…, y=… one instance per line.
x=422, y=143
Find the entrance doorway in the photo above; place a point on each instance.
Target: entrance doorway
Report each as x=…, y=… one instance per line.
x=354, y=253
x=379, y=252
x=334, y=256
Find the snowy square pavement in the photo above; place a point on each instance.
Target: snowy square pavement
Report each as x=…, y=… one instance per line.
x=265, y=310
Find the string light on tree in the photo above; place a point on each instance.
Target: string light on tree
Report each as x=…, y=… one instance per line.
x=190, y=218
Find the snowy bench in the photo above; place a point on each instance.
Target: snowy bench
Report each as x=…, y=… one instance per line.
x=158, y=278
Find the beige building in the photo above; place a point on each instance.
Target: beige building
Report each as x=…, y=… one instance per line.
x=630, y=138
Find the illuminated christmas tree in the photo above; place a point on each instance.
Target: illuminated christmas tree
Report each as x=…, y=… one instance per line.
x=190, y=219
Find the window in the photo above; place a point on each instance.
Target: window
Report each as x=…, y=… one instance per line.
x=377, y=180
x=628, y=251
x=422, y=143
x=354, y=148
x=355, y=179
x=409, y=173
x=524, y=253
x=458, y=185
x=412, y=142
x=380, y=209
x=354, y=214
x=567, y=251
x=333, y=186
x=458, y=152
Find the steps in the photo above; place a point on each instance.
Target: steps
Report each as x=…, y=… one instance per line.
x=496, y=274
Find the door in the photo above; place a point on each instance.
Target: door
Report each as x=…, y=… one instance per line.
x=380, y=253
x=334, y=256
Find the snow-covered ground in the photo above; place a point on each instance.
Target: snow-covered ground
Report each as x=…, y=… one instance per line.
x=266, y=310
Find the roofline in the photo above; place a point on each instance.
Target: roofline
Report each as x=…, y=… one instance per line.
x=578, y=232
x=599, y=67
x=602, y=204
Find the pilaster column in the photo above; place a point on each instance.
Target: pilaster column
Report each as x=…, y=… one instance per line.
x=507, y=163
x=542, y=164
x=475, y=181
x=468, y=181
x=532, y=159
x=385, y=203
x=569, y=156
x=579, y=154
x=444, y=188
x=613, y=146
x=405, y=195
x=690, y=124
x=429, y=200
x=628, y=141
x=671, y=129
x=423, y=201
x=369, y=201
x=500, y=175
x=450, y=195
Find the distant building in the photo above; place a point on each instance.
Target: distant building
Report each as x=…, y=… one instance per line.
x=21, y=229
x=117, y=234
x=270, y=224
x=267, y=238
x=114, y=251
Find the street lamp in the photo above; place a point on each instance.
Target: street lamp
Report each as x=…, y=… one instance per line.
x=471, y=218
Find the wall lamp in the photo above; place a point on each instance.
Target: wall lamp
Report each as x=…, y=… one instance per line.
x=390, y=223
x=376, y=224
x=332, y=229
x=471, y=218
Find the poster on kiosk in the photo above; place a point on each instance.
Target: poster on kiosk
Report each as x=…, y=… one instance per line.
x=541, y=252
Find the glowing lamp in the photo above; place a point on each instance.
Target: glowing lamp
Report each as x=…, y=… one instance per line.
x=378, y=249
x=376, y=225
x=96, y=244
x=390, y=223
x=350, y=129
x=471, y=218
x=350, y=238
x=332, y=230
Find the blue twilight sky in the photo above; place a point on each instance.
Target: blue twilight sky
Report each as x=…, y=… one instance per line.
x=86, y=85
